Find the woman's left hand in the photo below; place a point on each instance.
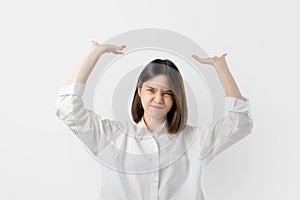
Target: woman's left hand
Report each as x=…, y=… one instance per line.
x=214, y=61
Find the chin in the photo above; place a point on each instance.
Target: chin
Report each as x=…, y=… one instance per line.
x=157, y=114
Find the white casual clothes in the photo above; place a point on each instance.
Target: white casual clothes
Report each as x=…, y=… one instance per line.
x=137, y=164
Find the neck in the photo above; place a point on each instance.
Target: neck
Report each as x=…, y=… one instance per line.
x=153, y=123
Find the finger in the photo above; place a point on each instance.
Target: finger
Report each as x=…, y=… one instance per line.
x=118, y=52
x=94, y=42
x=196, y=57
x=201, y=60
x=225, y=54
x=122, y=47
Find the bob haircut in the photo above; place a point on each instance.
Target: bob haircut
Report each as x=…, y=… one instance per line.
x=177, y=116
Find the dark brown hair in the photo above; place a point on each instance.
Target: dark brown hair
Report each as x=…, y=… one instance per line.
x=177, y=116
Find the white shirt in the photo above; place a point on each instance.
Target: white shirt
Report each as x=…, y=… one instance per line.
x=137, y=164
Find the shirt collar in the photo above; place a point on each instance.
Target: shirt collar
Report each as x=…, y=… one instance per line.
x=143, y=132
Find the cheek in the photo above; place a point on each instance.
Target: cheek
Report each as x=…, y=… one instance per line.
x=145, y=99
x=169, y=102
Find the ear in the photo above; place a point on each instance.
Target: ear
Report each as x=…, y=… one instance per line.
x=139, y=92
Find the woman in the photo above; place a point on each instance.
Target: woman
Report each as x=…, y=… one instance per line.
x=159, y=157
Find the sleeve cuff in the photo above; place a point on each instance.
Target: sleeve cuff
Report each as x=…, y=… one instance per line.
x=237, y=105
x=75, y=88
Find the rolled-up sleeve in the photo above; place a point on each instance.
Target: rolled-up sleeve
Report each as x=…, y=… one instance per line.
x=84, y=123
x=236, y=124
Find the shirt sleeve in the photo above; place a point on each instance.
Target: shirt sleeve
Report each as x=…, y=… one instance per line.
x=84, y=123
x=236, y=124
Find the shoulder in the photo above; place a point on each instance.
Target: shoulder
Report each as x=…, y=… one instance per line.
x=189, y=131
x=116, y=125
x=193, y=128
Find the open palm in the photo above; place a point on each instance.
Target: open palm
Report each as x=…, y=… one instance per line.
x=109, y=48
x=211, y=60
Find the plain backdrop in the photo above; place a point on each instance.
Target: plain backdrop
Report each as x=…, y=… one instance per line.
x=43, y=42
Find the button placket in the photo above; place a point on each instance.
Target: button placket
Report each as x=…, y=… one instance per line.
x=154, y=185
x=155, y=162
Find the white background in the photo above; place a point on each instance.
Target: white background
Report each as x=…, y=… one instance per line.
x=42, y=43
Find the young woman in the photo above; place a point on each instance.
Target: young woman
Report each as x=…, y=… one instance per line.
x=161, y=156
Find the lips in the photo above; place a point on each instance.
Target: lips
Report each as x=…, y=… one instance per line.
x=157, y=107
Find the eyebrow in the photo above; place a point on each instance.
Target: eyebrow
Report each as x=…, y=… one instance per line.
x=155, y=89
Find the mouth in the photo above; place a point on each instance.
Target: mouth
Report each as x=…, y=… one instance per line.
x=157, y=107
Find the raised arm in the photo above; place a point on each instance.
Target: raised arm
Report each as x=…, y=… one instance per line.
x=83, y=71
x=86, y=124
x=219, y=63
x=237, y=122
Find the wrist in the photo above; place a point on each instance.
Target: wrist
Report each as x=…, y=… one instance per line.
x=96, y=51
x=220, y=65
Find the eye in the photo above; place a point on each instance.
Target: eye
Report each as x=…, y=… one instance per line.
x=150, y=90
x=168, y=93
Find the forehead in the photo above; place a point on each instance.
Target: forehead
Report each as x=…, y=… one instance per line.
x=158, y=81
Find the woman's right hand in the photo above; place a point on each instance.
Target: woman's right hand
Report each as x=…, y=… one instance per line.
x=108, y=48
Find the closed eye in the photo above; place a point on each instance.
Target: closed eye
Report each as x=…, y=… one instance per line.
x=168, y=93
x=150, y=90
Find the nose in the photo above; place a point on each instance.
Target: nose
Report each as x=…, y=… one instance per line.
x=158, y=98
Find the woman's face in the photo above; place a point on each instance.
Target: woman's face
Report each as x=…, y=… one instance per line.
x=156, y=97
